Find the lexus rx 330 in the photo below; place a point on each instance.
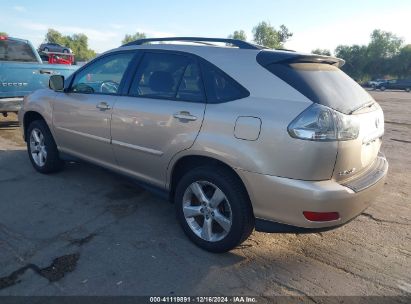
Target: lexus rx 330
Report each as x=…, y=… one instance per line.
x=238, y=136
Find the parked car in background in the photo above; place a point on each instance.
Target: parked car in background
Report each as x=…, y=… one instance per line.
x=237, y=137
x=54, y=47
x=395, y=84
x=22, y=72
x=374, y=83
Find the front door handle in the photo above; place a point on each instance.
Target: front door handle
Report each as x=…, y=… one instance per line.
x=103, y=106
x=46, y=72
x=185, y=115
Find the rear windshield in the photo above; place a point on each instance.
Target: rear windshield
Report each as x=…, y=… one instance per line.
x=12, y=50
x=324, y=84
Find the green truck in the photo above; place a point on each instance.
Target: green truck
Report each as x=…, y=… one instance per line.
x=22, y=72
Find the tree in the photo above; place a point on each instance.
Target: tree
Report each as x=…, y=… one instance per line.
x=53, y=36
x=78, y=43
x=240, y=35
x=284, y=33
x=3, y=34
x=401, y=64
x=321, y=52
x=129, y=38
x=267, y=35
x=356, y=58
x=381, y=49
x=383, y=56
x=384, y=44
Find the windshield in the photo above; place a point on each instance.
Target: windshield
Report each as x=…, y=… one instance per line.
x=324, y=84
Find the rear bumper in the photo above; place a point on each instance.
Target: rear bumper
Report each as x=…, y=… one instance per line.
x=10, y=104
x=283, y=201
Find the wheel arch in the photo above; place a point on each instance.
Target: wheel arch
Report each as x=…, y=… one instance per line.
x=28, y=118
x=188, y=162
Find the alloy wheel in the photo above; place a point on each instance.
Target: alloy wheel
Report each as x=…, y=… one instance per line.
x=38, y=148
x=207, y=211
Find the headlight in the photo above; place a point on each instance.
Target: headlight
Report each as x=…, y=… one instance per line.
x=320, y=123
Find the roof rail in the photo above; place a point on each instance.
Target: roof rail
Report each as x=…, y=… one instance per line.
x=238, y=43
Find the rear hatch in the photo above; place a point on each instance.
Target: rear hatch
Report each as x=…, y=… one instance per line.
x=320, y=79
x=355, y=156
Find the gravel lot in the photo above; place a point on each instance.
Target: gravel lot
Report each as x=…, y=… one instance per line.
x=86, y=231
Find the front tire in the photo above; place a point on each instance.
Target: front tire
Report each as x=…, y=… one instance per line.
x=42, y=148
x=213, y=209
x=408, y=89
x=382, y=88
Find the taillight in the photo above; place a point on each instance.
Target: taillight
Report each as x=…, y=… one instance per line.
x=321, y=216
x=320, y=123
x=3, y=37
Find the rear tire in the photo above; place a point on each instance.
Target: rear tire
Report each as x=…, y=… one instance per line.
x=42, y=148
x=231, y=220
x=45, y=49
x=66, y=51
x=382, y=88
x=408, y=89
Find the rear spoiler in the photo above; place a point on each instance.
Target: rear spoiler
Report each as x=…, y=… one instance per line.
x=266, y=58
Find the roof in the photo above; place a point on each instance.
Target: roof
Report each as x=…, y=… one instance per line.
x=206, y=47
x=15, y=39
x=264, y=57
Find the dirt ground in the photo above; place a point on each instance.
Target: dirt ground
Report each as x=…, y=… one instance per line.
x=86, y=231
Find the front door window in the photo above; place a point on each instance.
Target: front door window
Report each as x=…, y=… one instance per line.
x=102, y=77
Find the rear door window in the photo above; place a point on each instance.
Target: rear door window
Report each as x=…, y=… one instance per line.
x=191, y=86
x=168, y=76
x=220, y=87
x=13, y=50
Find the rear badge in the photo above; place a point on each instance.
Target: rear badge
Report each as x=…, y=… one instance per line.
x=346, y=172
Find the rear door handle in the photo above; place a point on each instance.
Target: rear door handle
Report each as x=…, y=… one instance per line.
x=46, y=72
x=103, y=106
x=184, y=115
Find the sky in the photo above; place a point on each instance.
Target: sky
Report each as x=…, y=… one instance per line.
x=315, y=24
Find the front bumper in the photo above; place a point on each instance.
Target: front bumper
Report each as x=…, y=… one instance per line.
x=10, y=104
x=283, y=200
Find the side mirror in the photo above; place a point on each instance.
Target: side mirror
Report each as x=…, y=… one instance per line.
x=56, y=83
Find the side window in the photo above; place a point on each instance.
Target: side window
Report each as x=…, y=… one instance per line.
x=170, y=76
x=220, y=87
x=103, y=76
x=191, y=86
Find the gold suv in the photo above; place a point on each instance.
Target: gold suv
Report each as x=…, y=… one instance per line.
x=238, y=136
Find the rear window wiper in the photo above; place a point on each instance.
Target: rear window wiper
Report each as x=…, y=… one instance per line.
x=365, y=105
